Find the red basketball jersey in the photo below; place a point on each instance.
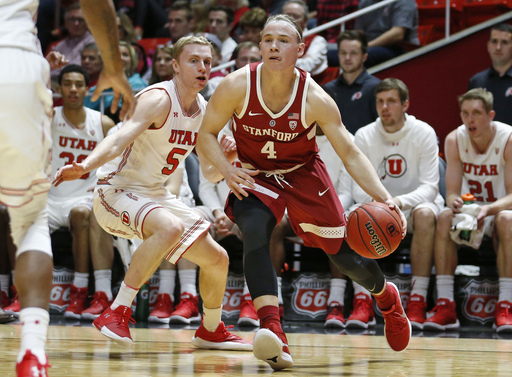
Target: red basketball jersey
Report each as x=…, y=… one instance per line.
x=271, y=141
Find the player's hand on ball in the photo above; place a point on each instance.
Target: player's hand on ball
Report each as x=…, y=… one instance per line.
x=392, y=205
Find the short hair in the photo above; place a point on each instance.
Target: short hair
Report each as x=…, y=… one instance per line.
x=73, y=68
x=243, y=46
x=353, y=35
x=301, y=3
x=182, y=5
x=287, y=19
x=502, y=27
x=392, y=83
x=188, y=40
x=256, y=17
x=230, y=15
x=73, y=6
x=133, y=57
x=479, y=94
x=92, y=46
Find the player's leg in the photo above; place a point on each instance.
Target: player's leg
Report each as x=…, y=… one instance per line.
x=102, y=256
x=445, y=253
x=79, y=225
x=336, y=300
x=502, y=227
x=422, y=257
x=257, y=222
x=213, y=264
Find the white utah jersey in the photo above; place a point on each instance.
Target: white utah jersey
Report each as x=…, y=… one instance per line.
x=484, y=174
x=17, y=24
x=406, y=161
x=147, y=162
x=73, y=144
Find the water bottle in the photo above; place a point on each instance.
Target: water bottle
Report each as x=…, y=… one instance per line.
x=142, y=308
x=467, y=199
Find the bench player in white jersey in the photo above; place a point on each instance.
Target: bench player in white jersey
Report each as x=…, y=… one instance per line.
x=130, y=200
x=276, y=109
x=25, y=107
x=479, y=161
x=76, y=130
x=405, y=153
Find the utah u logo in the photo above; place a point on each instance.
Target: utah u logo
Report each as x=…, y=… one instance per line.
x=394, y=165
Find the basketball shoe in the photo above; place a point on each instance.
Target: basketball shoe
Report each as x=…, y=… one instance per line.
x=335, y=316
x=77, y=299
x=444, y=317
x=397, y=327
x=187, y=310
x=163, y=309
x=503, y=317
x=362, y=316
x=416, y=311
x=221, y=339
x=30, y=366
x=98, y=305
x=6, y=318
x=248, y=315
x=114, y=324
x=14, y=308
x=271, y=346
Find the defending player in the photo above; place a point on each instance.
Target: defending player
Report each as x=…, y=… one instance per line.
x=130, y=200
x=276, y=108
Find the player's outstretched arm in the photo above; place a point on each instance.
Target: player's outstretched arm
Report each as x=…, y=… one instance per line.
x=152, y=111
x=101, y=19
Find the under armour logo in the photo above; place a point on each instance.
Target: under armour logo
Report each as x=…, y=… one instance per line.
x=175, y=114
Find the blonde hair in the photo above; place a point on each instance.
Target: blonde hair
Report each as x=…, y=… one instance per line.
x=481, y=94
x=287, y=19
x=191, y=39
x=133, y=57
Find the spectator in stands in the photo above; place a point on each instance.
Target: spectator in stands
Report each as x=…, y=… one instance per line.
x=161, y=70
x=76, y=130
x=329, y=10
x=92, y=62
x=388, y=28
x=314, y=59
x=130, y=62
x=405, y=153
x=221, y=22
x=239, y=7
x=245, y=53
x=180, y=20
x=251, y=24
x=215, y=77
x=479, y=160
x=78, y=37
x=498, y=78
x=125, y=28
x=353, y=91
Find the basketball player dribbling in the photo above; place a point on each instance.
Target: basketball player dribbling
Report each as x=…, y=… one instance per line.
x=276, y=108
x=131, y=201
x=25, y=108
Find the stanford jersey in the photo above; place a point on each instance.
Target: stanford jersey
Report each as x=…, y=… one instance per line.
x=271, y=141
x=484, y=174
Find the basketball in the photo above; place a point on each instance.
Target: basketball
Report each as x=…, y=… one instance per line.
x=373, y=230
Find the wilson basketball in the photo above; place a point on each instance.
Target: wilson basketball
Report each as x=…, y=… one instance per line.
x=373, y=230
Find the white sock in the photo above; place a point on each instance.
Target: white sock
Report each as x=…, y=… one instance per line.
x=211, y=318
x=420, y=285
x=337, y=291
x=279, y=295
x=81, y=279
x=444, y=285
x=125, y=296
x=360, y=289
x=4, y=284
x=103, y=282
x=34, y=329
x=167, y=282
x=505, y=289
x=188, y=282
x=246, y=289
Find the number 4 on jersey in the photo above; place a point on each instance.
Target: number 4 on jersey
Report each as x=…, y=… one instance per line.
x=269, y=150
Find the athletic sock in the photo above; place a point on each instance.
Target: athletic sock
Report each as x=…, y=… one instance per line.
x=211, y=318
x=167, y=282
x=188, y=281
x=337, y=291
x=125, y=296
x=103, y=282
x=34, y=330
x=444, y=285
x=81, y=279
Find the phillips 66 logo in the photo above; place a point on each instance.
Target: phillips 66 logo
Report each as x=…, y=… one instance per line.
x=233, y=296
x=310, y=293
x=480, y=299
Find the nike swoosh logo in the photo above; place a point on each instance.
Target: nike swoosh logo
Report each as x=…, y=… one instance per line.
x=251, y=114
x=322, y=193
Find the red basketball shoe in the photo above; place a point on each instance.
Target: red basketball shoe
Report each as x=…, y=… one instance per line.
x=14, y=308
x=114, y=324
x=30, y=366
x=187, y=310
x=416, y=311
x=248, y=315
x=335, y=316
x=77, y=299
x=444, y=318
x=362, y=316
x=397, y=327
x=163, y=309
x=221, y=339
x=503, y=317
x=98, y=305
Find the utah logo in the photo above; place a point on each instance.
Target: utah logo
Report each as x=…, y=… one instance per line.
x=125, y=218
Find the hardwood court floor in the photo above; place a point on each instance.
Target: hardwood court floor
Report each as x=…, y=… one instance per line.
x=82, y=351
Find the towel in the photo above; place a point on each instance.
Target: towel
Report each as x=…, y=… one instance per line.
x=466, y=220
